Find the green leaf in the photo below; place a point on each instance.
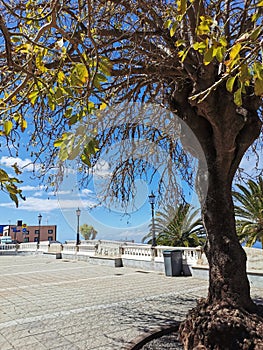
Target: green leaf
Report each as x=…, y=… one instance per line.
x=220, y=54
x=238, y=97
x=254, y=35
x=8, y=127
x=230, y=83
x=14, y=198
x=81, y=72
x=74, y=153
x=85, y=160
x=63, y=154
x=208, y=56
x=258, y=87
x=258, y=70
x=3, y=176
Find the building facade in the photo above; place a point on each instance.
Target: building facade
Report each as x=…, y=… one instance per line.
x=22, y=233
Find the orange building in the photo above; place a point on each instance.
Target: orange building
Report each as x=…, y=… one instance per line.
x=23, y=233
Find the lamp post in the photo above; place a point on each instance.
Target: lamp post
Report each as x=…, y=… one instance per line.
x=78, y=211
x=152, y=202
x=39, y=224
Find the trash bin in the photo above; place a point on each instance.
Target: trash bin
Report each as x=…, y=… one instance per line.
x=172, y=262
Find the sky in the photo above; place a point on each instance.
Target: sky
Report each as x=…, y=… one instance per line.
x=110, y=220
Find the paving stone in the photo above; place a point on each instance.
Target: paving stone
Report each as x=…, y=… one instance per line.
x=49, y=304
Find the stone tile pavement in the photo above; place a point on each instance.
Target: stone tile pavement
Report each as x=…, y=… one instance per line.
x=59, y=304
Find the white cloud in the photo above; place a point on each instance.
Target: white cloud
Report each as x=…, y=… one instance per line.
x=38, y=194
x=61, y=192
x=34, y=204
x=31, y=188
x=102, y=169
x=25, y=164
x=86, y=192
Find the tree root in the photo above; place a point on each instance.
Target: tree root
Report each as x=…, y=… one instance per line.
x=221, y=326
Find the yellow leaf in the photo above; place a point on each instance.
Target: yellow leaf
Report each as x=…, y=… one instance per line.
x=33, y=96
x=167, y=24
x=23, y=125
x=8, y=127
x=61, y=77
x=173, y=30
x=181, y=6
x=235, y=51
x=103, y=106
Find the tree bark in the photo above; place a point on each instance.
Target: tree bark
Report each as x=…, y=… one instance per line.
x=226, y=257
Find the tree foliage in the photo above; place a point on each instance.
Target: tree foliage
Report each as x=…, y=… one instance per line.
x=88, y=232
x=62, y=62
x=249, y=212
x=178, y=227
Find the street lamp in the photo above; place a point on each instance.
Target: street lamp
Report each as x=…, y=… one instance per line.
x=39, y=224
x=152, y=202
x=78, y=211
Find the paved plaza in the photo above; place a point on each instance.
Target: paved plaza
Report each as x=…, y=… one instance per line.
x=63, y=304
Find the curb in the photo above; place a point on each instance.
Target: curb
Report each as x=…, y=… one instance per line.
x=137, y=343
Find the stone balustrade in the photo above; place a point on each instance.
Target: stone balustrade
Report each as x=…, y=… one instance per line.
x=69, y=248
x=29, y=246
x=87, y=249
x=43, y=246
x=189, y=254
x=138, y=252
x=8, y=246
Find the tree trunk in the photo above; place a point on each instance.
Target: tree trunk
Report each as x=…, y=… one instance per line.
x=228, y=319
x=227, y=260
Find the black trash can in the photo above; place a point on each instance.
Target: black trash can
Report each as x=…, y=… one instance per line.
x=172, y=262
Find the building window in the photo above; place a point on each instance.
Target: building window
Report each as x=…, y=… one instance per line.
x=50, y=238
x=26, y=239
x=37, y=232
x=50, y=231
x=36, y=239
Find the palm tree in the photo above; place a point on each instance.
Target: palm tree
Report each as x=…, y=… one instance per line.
x=178, y=227
x=249, y=212
x=88, y=232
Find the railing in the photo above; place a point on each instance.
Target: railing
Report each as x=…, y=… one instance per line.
x=87, y=249
x=108, y=248
x=69, y=248
x=30, y=246
x=143, y=252
x=8, y=246
x=43, y=246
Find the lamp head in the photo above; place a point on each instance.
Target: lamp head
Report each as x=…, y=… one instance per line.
x=152, y=198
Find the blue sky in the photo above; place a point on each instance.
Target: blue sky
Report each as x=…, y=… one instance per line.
x=110, y=220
